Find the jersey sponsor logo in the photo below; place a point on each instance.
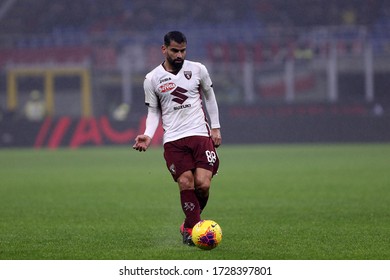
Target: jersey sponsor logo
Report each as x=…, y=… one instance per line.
x=188, y=74
x=164, y=80
x=167, y=87
x=181, y=107
x=180, y=97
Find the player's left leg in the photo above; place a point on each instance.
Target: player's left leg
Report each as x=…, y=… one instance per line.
x=206, y=166
x=202, y=179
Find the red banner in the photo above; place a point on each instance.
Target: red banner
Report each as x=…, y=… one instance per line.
x=64, y=131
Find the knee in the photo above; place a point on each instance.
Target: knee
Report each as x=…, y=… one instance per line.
x=202, y=184
x=186, y=182
x=203, y=180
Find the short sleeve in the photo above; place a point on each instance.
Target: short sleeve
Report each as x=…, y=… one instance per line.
x=150, y=96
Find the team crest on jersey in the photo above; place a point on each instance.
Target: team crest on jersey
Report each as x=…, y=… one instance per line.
x=188, y=74
x=167, y=87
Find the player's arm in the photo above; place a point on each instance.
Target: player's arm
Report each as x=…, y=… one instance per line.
x=212, y=110
x=143, y=141
x=211, y=106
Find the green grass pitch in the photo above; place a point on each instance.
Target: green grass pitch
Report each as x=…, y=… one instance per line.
x=273, y=202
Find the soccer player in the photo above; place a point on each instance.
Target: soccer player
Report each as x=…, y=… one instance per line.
x=173, y=91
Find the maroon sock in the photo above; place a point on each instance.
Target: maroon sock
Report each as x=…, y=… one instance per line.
x=202, y=200
x=190, y=206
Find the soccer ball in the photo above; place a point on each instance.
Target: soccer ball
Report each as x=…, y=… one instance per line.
x=206, y=234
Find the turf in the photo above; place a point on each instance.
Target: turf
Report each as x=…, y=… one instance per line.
x=273, y=202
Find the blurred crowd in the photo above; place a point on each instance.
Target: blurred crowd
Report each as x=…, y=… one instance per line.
x=58, y=23
x=101, y=33
x=94, y=16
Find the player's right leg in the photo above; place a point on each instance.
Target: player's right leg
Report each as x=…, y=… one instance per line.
x=190, y=205
x=180, y=163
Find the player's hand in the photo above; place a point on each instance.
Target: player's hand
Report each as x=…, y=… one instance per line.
x=142, y=142
x=216, y=137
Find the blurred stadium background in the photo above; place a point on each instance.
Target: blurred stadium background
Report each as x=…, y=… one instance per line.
x=284, y=71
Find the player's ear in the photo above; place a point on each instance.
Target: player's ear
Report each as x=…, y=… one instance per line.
x=164, y=49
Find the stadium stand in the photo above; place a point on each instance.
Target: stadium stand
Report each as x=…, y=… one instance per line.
x=249, y=46
x=262, y=25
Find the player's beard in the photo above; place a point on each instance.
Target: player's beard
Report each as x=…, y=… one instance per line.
x=176, y=64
